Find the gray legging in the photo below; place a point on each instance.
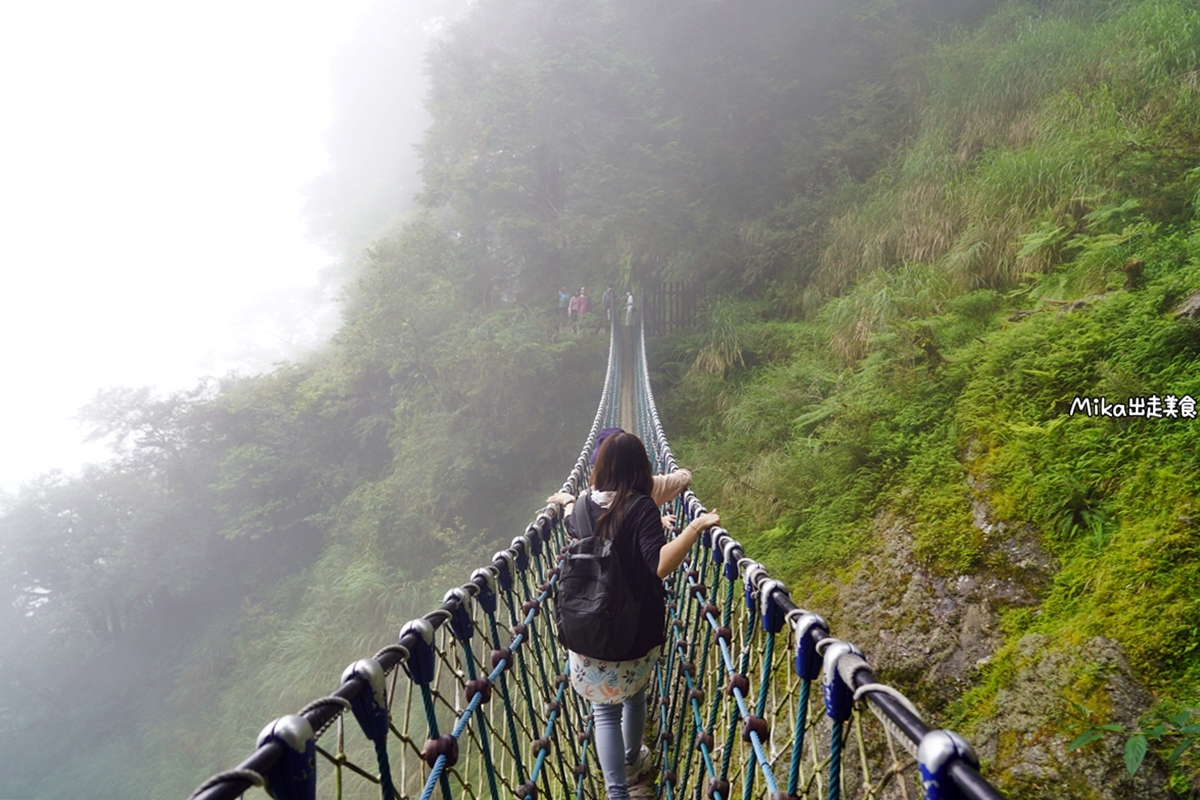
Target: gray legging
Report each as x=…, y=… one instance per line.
x=619, y=729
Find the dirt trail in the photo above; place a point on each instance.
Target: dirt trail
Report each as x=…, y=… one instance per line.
x=628, y=418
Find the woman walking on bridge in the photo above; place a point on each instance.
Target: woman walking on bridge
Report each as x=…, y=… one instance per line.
x=621, y=508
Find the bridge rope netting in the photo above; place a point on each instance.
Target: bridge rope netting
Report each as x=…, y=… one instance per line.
x=474, y=699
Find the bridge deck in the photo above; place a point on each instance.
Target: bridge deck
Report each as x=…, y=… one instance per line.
x=628, y=415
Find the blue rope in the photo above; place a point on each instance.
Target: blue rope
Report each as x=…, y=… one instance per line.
x=765, y=681
x=435, y=775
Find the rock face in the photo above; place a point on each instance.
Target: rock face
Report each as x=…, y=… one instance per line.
x=1189, y=308
x=928, y=631
x=928, y=634
x=1022, y=739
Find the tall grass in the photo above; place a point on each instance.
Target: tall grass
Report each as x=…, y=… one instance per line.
x=720, y=348
x=883, y=300
x=1042, y=115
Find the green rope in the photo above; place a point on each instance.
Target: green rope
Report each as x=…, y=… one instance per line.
x=508, y=713
x=387, y=789
x=431, y=718
x=798, y=737
x=835, y=761
x=484, y=739
x=535, y=720
x=559, y=537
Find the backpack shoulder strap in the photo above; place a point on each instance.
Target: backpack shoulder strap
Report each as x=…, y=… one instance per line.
x=583, y=516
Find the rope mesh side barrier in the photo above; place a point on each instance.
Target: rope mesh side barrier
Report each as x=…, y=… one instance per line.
x=483, y=709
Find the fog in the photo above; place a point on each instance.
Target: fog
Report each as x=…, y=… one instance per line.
x=155, y=167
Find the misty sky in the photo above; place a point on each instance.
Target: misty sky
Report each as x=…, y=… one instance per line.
x=151, y=161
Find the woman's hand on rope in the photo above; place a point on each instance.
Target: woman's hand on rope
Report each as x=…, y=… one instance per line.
x=671, y=554
x=706, y=521
x=668, y=521
x=560, y=498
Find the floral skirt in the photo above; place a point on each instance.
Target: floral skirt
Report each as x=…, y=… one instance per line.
x=607, y=682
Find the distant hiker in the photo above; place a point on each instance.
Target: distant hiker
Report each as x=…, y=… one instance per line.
x=607, y=297
x=629, y=310
x=617, y=519
x=573, y=309
x=585, y=302
x=564, y=300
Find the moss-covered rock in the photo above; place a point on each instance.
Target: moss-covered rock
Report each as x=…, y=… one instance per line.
x=1024, y=737
x=925, y=632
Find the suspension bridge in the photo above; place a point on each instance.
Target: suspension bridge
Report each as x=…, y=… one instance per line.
x=473, y=701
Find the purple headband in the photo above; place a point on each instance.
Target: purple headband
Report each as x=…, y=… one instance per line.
x=600, y=437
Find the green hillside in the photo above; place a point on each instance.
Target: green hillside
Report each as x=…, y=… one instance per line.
x=910, y=395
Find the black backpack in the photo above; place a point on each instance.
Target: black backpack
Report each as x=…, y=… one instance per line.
x=595, y=608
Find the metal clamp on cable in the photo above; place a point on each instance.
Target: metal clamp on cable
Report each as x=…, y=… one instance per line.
x=727, y=554
x=718, y=551
x=421, y=658
x=752, y=573
x=839, y=697
x=848, y=667
x=533, y=539
x=520, y=548
x=461, y=624
x=810, y=629
x=370, y=706
x=505, y=569
x=487, y=591
x=937, y=751
x=773, y=613
x=294, y=775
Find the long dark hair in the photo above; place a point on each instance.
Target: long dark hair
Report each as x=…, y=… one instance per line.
x=622, y=467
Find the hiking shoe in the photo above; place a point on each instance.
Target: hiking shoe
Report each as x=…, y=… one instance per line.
x=640, y=766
